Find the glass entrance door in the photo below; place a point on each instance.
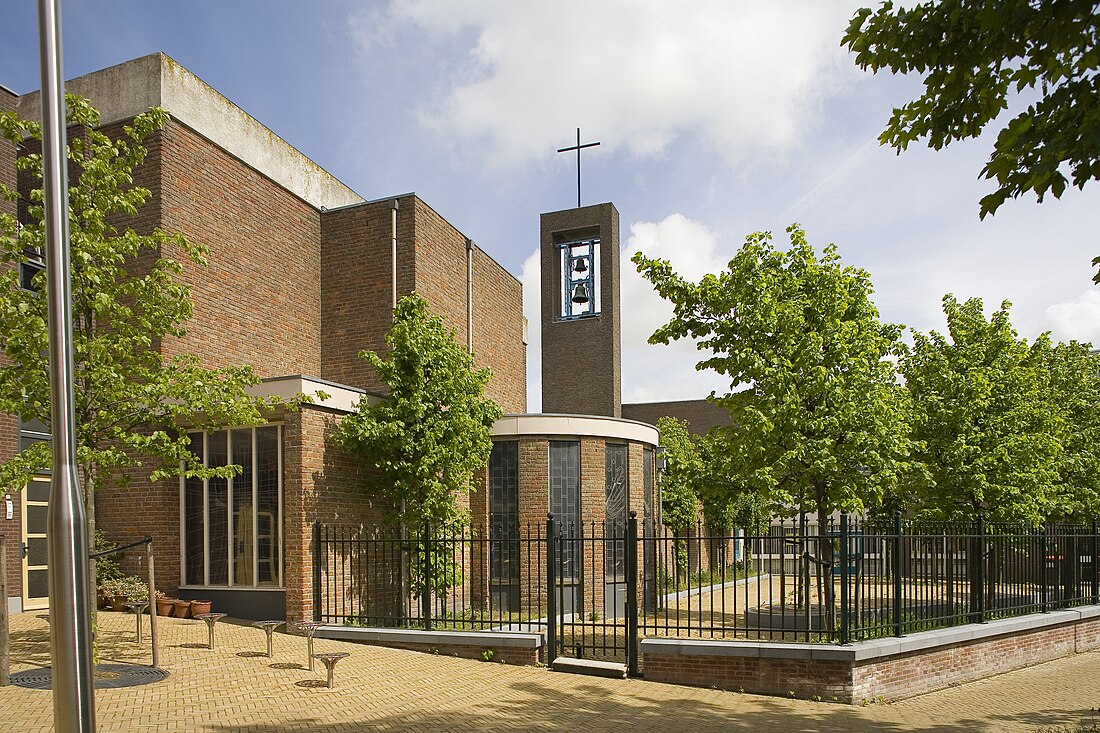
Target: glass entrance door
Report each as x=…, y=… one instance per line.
x=36, y=588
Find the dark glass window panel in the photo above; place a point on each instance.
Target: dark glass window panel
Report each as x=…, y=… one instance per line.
x=37, y=519
x=565, y=460
x=37, y=550
x=217, y=516
x=193, y=542
x=38, y=583
x=38, y=491
x=27, y=271
x=244, y=546
x=269, y=512
x=504, y=511
x=647, y=481
x=615, y=495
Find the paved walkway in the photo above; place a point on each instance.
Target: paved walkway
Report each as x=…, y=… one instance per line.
x=236, y=688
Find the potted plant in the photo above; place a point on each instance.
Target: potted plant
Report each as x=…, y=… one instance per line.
x=200, y=607
x=164, y=604
x=183, y=609
x=116, y=591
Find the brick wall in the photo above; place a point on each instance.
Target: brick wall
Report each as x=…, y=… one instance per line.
x=11, y=530
x=848, y=674
x=498, y=332
x=700, y=415
x=322, y=482
x=581, y=358
x=258, y=301
x=356, y=267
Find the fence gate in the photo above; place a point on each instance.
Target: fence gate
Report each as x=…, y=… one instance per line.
x=592, y=575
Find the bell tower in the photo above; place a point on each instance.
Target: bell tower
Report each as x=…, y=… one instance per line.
x=580, y=311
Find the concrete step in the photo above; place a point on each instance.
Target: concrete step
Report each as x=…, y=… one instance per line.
x=592, y=667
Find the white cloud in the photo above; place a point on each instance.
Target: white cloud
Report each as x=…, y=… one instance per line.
x=655, y=372
x=1076, y=320
x=739, y=75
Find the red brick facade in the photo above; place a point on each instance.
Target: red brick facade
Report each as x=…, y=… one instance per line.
x=290, y=289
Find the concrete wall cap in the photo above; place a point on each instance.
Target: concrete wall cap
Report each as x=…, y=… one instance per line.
x=407, y=636
x=597, y=426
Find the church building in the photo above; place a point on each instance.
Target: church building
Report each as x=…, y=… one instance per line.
x=303, y=274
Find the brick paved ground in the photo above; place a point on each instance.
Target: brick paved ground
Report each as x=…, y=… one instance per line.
x=232, y=689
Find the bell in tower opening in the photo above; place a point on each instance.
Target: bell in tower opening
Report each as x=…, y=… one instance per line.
x=579, y=263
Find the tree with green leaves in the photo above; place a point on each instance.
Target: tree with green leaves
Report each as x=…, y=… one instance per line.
x=975, y=56
x=433, y=432
x=727, y=499
x=825, y=425
x=984, y=424
x=679, y=501
x=1072, y=386
x=132, y=405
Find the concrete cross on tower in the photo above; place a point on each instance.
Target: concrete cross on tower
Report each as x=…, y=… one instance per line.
x=578, y=147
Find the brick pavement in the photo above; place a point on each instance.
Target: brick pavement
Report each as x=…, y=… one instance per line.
x=233, y=689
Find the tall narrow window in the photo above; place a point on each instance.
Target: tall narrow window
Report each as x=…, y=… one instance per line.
x=232, y=528
x=615, y=493
x=504, y=511
x=565, y=490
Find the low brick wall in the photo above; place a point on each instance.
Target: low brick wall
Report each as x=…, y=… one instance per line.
x=507, y=648
x=889, y=669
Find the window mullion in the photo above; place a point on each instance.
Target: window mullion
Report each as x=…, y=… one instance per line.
x=255, y=511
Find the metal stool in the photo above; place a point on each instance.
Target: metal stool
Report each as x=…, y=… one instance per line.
x=269, y=627
x=210, y=619
x=138, y=607
x=330, y=659
x=309, y=628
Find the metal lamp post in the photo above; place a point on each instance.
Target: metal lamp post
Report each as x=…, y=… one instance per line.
x=70, y=622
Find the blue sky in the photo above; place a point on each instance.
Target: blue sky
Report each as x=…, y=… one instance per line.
x=717, y=118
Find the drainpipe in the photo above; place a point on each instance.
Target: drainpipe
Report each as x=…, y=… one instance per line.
x=393, y=250
x=469, y=295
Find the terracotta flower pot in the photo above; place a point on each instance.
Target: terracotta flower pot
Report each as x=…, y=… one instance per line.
x=165, y=605
x=183, y=609
x=118, y=603
x=199, y=607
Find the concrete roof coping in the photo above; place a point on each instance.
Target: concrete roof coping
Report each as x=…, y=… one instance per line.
x=125, y=90
x=599, y=426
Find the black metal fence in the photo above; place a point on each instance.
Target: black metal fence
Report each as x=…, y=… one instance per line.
x=595, y=589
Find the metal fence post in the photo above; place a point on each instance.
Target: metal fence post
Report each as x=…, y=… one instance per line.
x=1044, y=578
x=980, y=566
x=1095, y=580
x=317, y=571
x=897, y=574
x=5, y=640
x=551, y=591
x=845, y=619
x=426, y=580
x=632, y=594
x=154, y=639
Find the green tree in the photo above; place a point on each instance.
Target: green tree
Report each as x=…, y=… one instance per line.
x=984, y=424
x=679, y=501
x=975, y=56
x=132, y=404
x=727, y=499
x=1072, y=375
x=824, y=426
x=434, y=431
